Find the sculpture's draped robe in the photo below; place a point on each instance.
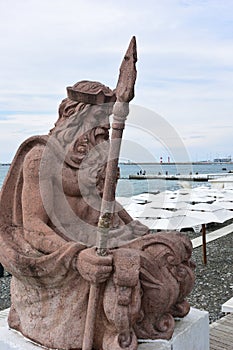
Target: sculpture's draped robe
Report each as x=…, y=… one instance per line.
x=42, y=284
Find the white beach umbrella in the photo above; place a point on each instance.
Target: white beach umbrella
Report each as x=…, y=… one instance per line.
x=168, y=201
x=184, y=221
x=156, y=224
x=225, y=204
x=146, y=197
x=223, y=208
x=135, y=209
x=172, y=223
x=207, y=217
x=192, y=195
x=228, y=190
x=124, y=200
x=148, y=222
x=226, y=198
x=210, y=194
x=205, y=207
x=168, y=205
x=194, y=198
x=154, y=213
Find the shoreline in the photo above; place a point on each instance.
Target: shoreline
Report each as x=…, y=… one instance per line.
x=175, y=163
x=163, y=163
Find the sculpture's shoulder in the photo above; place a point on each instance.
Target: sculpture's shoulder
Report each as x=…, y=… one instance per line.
x=32, y=161
x=35, y=154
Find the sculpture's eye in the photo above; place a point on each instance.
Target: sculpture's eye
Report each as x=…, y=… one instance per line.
x=68, y=112
x=101, y=112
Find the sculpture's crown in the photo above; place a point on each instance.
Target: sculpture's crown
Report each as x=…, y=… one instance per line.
x=90, y=92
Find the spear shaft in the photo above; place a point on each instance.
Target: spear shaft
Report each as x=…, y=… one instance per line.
x=124, y=94
x=108, y=201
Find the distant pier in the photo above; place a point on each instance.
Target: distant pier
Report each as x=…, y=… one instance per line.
x=178, y=177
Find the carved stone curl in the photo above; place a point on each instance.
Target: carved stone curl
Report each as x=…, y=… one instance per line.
x=154, y=276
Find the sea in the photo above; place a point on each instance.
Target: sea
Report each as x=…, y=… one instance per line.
x=128, y=188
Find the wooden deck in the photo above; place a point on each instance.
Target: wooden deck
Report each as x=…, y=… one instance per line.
x=221, y=333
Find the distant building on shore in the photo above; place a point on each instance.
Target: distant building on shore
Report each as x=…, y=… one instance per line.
x=223, y=160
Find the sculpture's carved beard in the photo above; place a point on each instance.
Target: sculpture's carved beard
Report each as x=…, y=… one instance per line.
x=90, y=153
x=85, y=144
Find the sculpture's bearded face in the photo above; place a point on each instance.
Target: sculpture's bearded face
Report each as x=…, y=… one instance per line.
x=91, y=138
x=84, y=139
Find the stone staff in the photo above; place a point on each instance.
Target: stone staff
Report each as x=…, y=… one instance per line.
x=124, y=94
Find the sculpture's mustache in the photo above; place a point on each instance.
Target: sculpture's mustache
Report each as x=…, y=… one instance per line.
x=99, y=135
x=87, y=142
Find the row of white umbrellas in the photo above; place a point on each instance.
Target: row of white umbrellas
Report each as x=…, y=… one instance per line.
x=184, y=208
x=173, y=210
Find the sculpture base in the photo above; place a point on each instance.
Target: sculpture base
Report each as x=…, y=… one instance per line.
x=191, y=332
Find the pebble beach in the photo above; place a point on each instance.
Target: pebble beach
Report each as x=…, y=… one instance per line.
x=213, y=285
x=214, y=281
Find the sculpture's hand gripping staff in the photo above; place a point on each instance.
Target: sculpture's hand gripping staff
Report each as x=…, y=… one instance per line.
x=124, y=94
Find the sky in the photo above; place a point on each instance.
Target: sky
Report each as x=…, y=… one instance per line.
x=184, y=80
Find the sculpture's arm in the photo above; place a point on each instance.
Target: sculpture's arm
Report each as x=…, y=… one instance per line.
x=35, y=218
x=138, y=228
x=123, y=214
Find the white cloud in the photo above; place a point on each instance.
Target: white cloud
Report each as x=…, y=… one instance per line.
x=16, y=128
x=185, y=66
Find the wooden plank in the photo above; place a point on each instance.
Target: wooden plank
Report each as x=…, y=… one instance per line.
x=225, y=342
x=225, y=329
x=221, y=333
x=219, y=345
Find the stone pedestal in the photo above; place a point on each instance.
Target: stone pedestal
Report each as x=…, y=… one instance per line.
x=12, y=340
x=191, y=333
